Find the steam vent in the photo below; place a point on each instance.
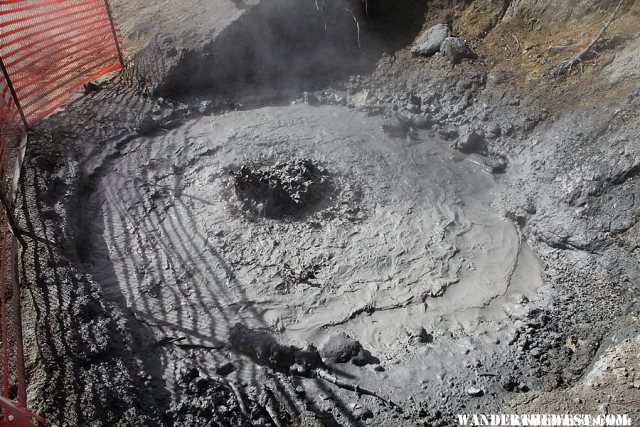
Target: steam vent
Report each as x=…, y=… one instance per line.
x=319, y=213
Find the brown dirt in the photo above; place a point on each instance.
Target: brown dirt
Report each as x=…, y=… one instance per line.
x=527, y=41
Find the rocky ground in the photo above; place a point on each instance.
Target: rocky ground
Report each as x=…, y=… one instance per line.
x=453, y=233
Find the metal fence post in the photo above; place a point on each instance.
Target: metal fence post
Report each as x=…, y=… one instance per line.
x=13, y=94
x=115, y=33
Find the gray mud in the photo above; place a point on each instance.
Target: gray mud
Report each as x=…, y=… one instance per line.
x=406, y=222
x=406, y=239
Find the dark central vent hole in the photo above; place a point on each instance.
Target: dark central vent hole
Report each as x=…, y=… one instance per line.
x=284, y=189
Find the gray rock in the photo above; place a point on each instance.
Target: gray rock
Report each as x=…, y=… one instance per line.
x=471, y=142
x=205, y=107
x=420, y=335
x=410, y=119
x=225, y=369
x=493, y=131
x=496, y=164
x=455, y=50
x=604, y=409
x=340, y=348
x=475, y=392
x=429, y=41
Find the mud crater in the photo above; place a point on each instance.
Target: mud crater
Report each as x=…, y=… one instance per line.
x=293, y=190
x=283, y=189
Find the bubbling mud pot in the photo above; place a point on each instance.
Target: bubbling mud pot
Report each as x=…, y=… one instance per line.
x=202, y=229
x=284, y=189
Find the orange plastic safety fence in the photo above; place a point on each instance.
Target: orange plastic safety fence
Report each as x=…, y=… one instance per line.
x=52, y=47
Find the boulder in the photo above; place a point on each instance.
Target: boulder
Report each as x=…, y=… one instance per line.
x=455, y=50
x=496, y=164
x=471, y=142
x=428, y=43
x=340, y=348
x=421, y=335
x=492, y=131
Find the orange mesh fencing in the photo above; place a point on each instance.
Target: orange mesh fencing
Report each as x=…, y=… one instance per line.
x=52, y=47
